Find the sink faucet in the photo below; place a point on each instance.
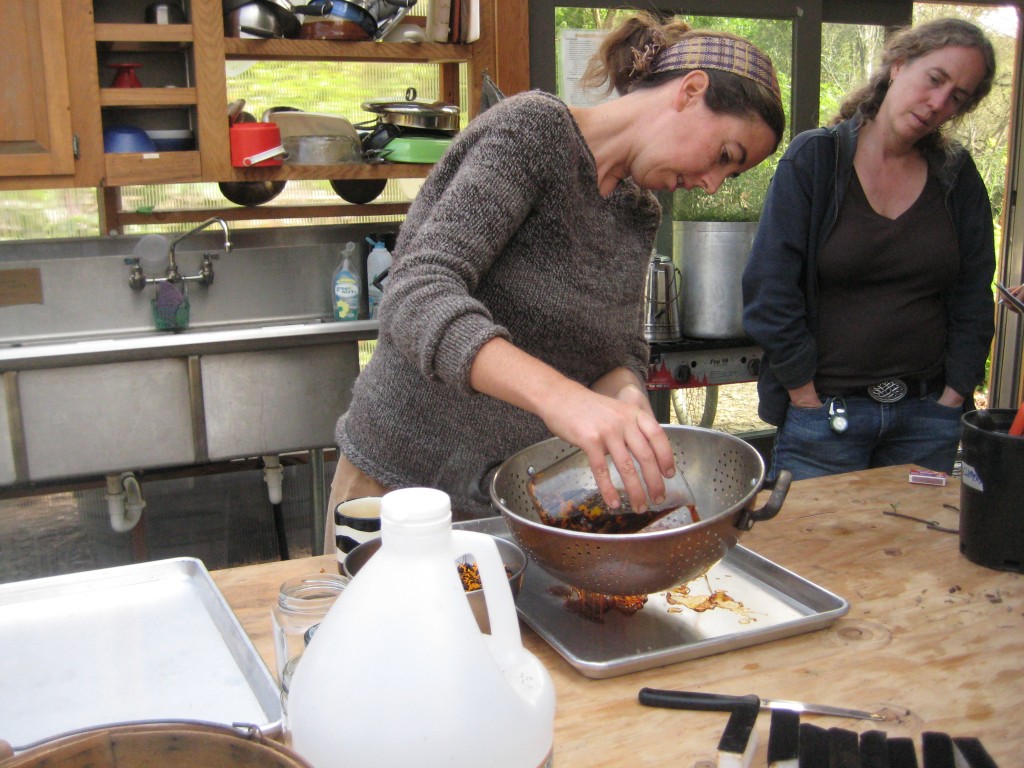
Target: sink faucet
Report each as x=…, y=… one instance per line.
x=205, y=276
x=138, y=280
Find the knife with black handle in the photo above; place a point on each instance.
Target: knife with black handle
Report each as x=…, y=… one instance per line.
x=717, y=702
x=707, y=702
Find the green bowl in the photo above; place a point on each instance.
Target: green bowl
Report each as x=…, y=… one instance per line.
x=415, y=149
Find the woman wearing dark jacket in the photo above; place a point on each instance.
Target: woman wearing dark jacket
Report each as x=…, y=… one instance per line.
x=513, y=310
x=869, y=280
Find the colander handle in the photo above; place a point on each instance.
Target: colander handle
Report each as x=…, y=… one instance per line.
x=480, y=487
x=780, y=487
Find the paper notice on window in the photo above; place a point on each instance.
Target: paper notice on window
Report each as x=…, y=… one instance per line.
x=20, y=286
x=576, y=46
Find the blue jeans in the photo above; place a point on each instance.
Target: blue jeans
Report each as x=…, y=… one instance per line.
x=915, y=430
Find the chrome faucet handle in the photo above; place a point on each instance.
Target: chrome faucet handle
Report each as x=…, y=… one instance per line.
x=136, y=279
x=206, y=271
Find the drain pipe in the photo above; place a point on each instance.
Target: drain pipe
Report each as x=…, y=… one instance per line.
x=273, y=476
x=124, y=501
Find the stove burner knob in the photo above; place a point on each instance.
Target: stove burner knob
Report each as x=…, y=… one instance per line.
x=754, y=366
x=681, y=373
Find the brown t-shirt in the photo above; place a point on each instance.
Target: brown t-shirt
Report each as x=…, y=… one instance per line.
x=880, y=283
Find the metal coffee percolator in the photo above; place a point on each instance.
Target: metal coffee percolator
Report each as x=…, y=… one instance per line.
x=662, y=313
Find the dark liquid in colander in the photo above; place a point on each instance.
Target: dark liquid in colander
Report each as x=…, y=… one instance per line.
x=592, y=515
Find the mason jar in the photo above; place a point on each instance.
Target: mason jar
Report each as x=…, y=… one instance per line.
x=301, y=604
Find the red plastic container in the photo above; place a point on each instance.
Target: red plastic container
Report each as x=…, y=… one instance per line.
x=249, y=140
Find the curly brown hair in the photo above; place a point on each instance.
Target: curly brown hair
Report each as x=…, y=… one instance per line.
x=911, y=43
x=616, y=60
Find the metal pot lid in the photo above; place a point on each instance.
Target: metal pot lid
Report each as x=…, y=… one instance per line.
x=231, y=5
x=411, y=107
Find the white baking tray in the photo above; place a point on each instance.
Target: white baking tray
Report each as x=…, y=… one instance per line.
x=775, y=603
x=152, y=641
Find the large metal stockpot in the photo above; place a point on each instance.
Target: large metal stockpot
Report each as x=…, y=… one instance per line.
x=725, y=474
x=712, y=257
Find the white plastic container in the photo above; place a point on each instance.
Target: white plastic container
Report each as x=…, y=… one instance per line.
x=399, y=674
x=378, y=260
x=345, y=286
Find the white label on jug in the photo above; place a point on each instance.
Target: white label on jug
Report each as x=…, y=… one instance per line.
x=970, y=478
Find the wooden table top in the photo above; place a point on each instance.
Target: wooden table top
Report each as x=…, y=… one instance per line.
x=931, y=639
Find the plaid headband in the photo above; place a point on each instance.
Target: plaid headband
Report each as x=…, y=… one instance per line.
x=709, y=52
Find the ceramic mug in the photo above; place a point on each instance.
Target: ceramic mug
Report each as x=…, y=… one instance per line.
x=355, y=521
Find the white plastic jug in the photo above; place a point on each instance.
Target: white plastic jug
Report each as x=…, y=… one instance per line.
x=399, y=674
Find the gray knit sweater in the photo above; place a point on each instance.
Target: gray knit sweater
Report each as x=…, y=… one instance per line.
x=508, y=237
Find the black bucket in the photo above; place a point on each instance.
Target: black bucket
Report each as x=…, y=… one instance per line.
x=992, y=491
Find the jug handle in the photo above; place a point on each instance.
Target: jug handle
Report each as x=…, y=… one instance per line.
x=506, y=641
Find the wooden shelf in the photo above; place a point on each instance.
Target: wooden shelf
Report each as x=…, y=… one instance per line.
x=143, y=33
x=343, y=171
x=345, y=50
x=268, y=211
x=192, y=56
x=147, y=97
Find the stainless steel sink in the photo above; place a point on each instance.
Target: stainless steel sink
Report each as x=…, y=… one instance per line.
x=88, y=387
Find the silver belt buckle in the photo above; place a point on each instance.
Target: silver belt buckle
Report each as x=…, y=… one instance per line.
x=891, y=391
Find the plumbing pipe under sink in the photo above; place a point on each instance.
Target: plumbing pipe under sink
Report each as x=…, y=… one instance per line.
x=124, y=501
x=273, y=476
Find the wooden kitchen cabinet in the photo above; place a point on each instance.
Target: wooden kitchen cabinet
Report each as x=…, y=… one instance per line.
x=49, y=135
x=36, y=151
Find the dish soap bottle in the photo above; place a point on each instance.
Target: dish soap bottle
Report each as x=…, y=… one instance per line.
x=345, y=286
x=399, y=674
x=377, y=265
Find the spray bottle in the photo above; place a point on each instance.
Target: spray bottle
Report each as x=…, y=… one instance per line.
x=378, y=262
x=345, y=286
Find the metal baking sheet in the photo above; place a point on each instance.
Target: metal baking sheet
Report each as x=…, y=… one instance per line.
x=776, y=603
x=152, y=641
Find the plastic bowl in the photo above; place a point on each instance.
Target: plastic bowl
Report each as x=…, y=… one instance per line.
x=173, y=140
x=126, y=138
x=511, y=555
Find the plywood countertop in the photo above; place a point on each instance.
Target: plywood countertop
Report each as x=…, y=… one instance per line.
x=931, y=639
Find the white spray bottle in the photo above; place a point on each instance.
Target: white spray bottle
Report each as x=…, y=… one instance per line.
x=378, y=262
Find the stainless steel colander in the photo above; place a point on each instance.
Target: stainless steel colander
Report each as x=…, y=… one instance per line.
x=725, y=474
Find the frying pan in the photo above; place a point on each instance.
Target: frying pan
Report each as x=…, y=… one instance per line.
x=267, y=18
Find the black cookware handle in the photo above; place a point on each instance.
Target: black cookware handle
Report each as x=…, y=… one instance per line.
x=780, y=487
x=479, y=489
x=707, y=702
x=322, y=8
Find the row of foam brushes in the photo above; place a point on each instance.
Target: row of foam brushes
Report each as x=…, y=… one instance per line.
x=792, y=744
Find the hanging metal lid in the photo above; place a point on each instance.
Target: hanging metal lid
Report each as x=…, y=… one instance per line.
x=435, y=115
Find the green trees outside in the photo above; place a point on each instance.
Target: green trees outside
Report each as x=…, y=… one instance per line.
x=853, y=51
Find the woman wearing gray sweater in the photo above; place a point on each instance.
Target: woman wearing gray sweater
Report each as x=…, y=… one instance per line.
x=513, y=308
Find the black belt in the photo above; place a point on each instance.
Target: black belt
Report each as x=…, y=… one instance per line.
x=894, y=390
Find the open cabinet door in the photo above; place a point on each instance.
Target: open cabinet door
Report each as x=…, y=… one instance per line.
x=35, y=110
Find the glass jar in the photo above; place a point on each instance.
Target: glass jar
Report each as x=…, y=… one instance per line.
x=301, y=604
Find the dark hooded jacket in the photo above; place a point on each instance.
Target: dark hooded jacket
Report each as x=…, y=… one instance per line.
x=780, y=293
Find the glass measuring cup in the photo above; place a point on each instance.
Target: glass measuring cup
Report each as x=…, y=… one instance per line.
x=565, y=495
